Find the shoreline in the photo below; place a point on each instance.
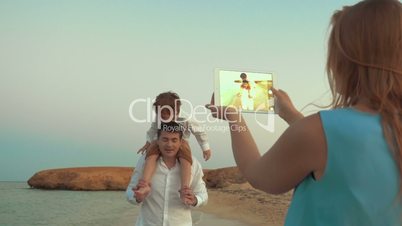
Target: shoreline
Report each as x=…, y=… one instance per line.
x=243, y=203
x=230, y=196
x=234, y=203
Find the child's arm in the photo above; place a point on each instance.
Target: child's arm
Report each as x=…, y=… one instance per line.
x=201, y=136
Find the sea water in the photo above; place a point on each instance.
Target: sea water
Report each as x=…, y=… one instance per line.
x=21, y=205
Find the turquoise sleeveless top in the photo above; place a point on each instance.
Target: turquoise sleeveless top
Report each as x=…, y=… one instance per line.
x=360, y=184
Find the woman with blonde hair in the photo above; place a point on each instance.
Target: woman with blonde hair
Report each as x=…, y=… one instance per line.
x=345, y=163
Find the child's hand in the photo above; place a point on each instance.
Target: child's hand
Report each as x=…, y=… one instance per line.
x=144, y=148
x=206, y=154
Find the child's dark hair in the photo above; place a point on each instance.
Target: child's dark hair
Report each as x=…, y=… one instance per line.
x=168, y=98
x=171, y=127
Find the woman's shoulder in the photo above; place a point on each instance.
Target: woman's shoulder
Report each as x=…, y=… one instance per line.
x=313, y=129
x=307, y=133
x=304, y=141
x=346, y=117
x=313, y=124
x=308, y=124
x=309, y=130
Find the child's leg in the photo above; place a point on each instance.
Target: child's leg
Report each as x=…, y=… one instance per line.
x=185, y=179
x=185, y=173
x=149, y=167
x=186, y=161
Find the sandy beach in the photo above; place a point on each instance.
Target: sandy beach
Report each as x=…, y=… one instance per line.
x=248, y=205
x=230, y=196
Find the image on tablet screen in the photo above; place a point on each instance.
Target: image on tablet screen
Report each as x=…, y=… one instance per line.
x=247, y=91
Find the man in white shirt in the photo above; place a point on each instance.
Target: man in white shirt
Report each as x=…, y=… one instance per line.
x=163, y=206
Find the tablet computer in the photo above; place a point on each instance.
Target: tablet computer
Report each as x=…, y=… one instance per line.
x=248, y=91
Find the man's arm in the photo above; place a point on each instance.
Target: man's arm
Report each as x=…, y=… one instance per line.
x=134, y=180
x=198, y=185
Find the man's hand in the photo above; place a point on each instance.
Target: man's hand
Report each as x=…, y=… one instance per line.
x=144, y=148
x=188, y=196
x=141, y=191
x=191, y=200
x=206, y=154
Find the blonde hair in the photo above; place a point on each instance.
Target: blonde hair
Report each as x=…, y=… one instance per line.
x=365, y=63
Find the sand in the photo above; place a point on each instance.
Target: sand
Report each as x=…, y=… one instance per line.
x=248, y=205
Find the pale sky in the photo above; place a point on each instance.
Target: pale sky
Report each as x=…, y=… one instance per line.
x=70, y=69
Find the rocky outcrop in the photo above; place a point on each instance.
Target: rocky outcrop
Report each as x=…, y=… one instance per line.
x=116, y=178
x=220, y=178
x=83, y=178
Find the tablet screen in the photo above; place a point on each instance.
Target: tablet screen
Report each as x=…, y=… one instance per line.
x=247, y=91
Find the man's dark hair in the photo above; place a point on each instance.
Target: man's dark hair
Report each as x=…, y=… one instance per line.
x=171, y=127
x=243, y=75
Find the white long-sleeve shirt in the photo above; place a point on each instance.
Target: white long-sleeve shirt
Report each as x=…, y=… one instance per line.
x=190, y=126
x=163, y=206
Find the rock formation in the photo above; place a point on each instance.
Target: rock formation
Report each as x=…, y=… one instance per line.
x=115, y=178
x=84, y=178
